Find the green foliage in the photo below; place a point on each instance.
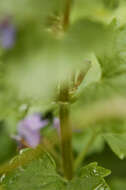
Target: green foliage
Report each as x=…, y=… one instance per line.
x=109, y=86
x=45, y=54
x=90, y=177
x=117, y=184
x=40, y=173
x=31, y=10
x=82, y=138
x=117, y=142
x=111, y=4
x=93, y=169
x=80, y=36
x=40, y=53
x=7, y=143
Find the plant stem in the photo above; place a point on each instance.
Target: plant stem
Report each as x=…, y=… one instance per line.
x=66, y=17
x=66, y=134
x=82, y=154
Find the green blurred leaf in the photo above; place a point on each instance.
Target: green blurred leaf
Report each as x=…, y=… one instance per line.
x=86, y=35
x=82, y=138
x=111, y=4
x=31, y=10
x=110, y=85
x=6, y=143
x=100, y=111
x=117, y=143
x=45, y=55
x=88, y=8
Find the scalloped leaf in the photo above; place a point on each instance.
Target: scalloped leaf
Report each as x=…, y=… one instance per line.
x=39, y=173
x=35, y=169
x=90, y=177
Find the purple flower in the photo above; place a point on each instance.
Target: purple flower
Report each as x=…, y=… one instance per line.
x=7, y=34
x=29, y=129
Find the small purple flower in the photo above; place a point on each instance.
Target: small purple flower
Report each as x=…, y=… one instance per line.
x=29, y=129
x=7, y=34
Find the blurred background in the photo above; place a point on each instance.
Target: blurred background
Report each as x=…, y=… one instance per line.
x=36, y=54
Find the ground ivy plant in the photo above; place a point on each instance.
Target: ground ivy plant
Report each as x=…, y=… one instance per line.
x=62, y=94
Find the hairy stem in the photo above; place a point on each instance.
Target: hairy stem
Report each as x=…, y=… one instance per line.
x=66, y=134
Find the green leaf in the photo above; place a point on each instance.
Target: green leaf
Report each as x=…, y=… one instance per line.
x=80, y=37
x=111, y=83
x=35, y=169
x=113, y=126
x=90, y=183
x=90, y=177
x=38, y=174
x=117, y=143
x=93, y=169
x=7, y=143
x=95, y=72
